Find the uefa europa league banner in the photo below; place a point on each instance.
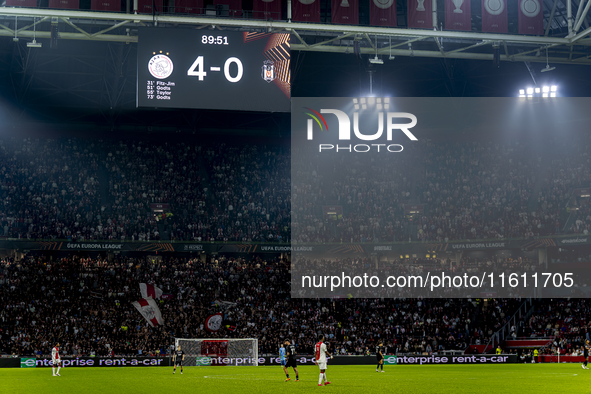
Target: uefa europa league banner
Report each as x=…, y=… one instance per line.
x=494, y=16
x=345, y=12
x=420, y=14
x=305, y=10
x=266, y=9
x=531, y=17
x=382, y=13
x=457, y=15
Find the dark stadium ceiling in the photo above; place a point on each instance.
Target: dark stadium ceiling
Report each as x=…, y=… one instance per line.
x=566, y=33
x=88, y=80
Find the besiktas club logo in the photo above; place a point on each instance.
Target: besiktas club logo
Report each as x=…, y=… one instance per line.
x=160, y=66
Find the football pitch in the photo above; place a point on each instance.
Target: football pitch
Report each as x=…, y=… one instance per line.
x=515, y=378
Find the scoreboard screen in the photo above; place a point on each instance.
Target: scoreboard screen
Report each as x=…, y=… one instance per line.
x=213, y=69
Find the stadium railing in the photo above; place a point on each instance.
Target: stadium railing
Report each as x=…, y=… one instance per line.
x=504, y=332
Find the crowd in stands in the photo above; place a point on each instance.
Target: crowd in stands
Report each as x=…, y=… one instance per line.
x=565, y=320
x=104, y=190
x=91, y=311
x=464, y=190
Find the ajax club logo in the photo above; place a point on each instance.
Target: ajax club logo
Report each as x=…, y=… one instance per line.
x=160, y=66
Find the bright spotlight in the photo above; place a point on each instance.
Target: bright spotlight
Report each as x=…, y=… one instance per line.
x=546, y=89
x=553, y=94
x=545, y=95
x=537, y=90
x=530, y=90
x=553, y=88
x=521, y=92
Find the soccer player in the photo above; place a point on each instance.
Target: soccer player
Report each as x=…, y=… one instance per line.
x=320, y=352
x=291, y=360
x=177, y=358
x=380, y=356
x=585, y=354
x=55, y=359
x=282, y=357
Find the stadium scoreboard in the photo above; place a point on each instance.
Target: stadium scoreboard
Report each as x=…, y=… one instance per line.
x=213, y=69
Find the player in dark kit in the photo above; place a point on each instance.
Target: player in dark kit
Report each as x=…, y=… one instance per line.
x=178, y=358
x=380, y=356
x=585, y=354
x=291, y=360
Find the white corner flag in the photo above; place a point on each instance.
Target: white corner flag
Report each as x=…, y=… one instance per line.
x=149, y=310
x=151, y=291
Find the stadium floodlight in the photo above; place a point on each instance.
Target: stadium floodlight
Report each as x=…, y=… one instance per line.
x=537, y=90
x=522, y=92
x=376, y=60
x=530, y=91
x=545, y=95
x=34, y=44
x=545, y=89
x=547, y=68
x=553, y=88
x=553, y=94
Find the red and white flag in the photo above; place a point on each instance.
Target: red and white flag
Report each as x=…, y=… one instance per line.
x=494, y=16
x=531, y=17
x=213, y=323
x=149, y=310
x=151, y=291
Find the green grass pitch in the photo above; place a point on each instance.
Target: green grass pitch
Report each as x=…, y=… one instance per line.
x=440, y=379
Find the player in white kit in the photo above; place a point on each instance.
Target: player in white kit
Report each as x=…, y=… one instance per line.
x=55, y=359
x=321, y=353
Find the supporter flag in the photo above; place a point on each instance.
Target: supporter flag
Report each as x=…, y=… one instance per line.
x=345, y=12
x=151, y=291
x=213, y=323
x=420, y=14
x=382, y=13
x=149, y=310
x=305, y=10
x=266, y=9
x=494, y=16
x=223, y=304
x=457, y=15
x=531, y=17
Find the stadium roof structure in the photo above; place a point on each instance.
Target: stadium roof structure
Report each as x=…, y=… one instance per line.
x=566, y=33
